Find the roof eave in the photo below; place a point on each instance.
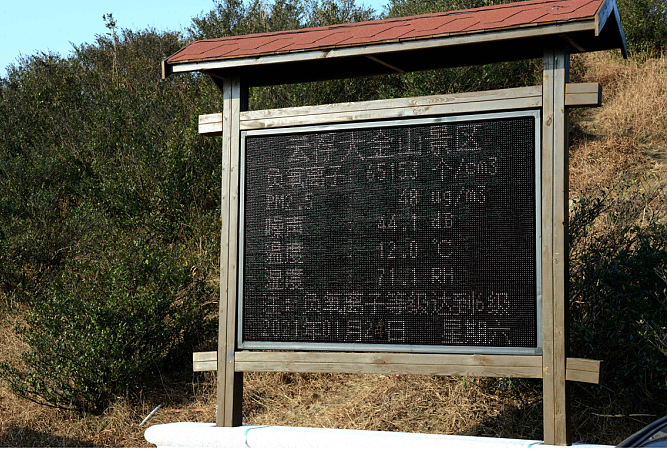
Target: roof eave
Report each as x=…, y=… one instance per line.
x=609, y=10
x=381, y=48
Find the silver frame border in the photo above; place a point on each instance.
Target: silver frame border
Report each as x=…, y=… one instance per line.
x=369, y=347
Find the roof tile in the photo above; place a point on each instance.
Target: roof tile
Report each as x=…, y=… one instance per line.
x=524, y=17
x=274, y=45
x=462, y=23
x=333, y=39
x=587, y=8
x=393, y=32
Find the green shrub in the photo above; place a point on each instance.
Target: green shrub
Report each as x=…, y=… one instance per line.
x=96, y=144
x=617, y=291
x=645, y=25
x=106, y=191
x=104, y=328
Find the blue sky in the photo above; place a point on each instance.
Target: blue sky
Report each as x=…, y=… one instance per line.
x=31, y=26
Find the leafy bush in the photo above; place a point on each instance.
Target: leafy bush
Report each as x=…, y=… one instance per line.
x=617, y=291
x=106, y=191
x=104, y=328
x=645, y=25
x=96, y=143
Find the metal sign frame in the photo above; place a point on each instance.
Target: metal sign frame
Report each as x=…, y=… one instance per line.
x=535, y=114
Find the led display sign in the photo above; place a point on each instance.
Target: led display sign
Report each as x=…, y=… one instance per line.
x=415, y=235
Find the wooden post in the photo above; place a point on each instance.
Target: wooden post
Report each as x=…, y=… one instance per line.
x=230, y=383
x=555, y=246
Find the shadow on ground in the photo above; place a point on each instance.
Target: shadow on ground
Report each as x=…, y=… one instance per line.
x=22, y=437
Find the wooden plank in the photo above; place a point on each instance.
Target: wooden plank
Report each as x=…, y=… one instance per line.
x=378, y=358
x=583, y=94
x=355, y=368
x=211, y=124
x=516, y=98
x=198, y=367
x=212, y=129
x=204, y=356
x=578, y=370
x=584, y=370
x=410, y=102
x=383, y=114
x=577, y=94
x=205, y=361
x=390, y=363
x=205, y=119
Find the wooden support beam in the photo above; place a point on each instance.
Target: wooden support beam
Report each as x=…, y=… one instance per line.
x=230, y=382
x=381, y=62
x=554, y=246
x=380, y=363
x=572, y=42
x=211, y=124
x=435, y=105
x=391, y=363
x=576, y=94
x=578, y=370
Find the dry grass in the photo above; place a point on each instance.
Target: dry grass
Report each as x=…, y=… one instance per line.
x=502, y=408
x=425, y=404
x=628, y=135
x=26, y=424
x=634, y=95
x=422, y=404
x=602, y=162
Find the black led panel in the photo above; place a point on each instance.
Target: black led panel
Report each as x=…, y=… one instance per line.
x=418, y=233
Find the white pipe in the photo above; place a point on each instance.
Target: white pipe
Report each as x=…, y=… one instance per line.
x=203, y=435
x=150, y=415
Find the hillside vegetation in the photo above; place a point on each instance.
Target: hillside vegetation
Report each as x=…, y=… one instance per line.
x=109, y=241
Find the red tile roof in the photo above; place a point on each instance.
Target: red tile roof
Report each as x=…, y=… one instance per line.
x=512, y=15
